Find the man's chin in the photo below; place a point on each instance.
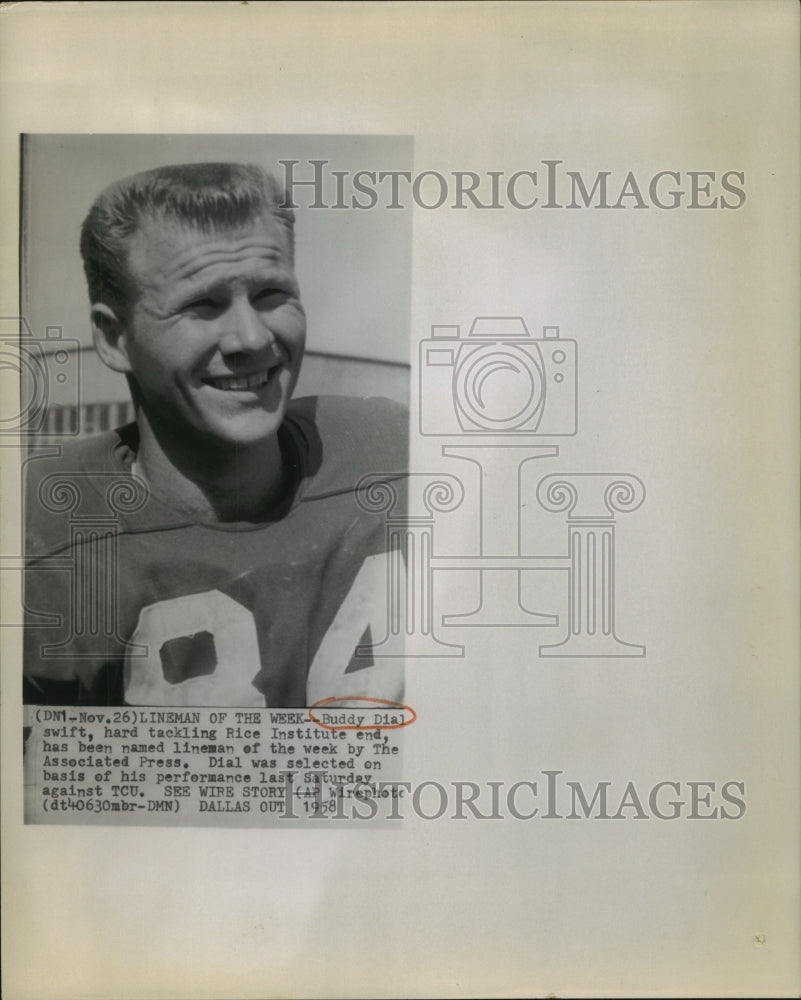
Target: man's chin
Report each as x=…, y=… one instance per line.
x=245, y=430
x=205, y=429
x=242, y=434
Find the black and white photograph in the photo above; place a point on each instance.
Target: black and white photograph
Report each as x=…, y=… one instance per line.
x=210, y=549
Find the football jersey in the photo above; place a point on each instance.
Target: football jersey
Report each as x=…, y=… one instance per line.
x=129, y=601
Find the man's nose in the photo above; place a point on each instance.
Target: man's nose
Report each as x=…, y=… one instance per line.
x=246, y=330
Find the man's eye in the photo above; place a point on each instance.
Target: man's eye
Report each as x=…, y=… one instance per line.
x=266, y=295
x=203, y=303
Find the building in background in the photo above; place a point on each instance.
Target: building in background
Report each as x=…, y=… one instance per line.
x=105, y=402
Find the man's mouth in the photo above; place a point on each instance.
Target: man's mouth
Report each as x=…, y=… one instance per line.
x=241, y=383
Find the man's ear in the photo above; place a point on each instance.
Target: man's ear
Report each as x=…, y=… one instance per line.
x=110, y=337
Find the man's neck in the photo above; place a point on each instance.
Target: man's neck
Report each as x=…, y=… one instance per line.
x=238, y=484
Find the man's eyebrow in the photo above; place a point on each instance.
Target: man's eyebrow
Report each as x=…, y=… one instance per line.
x=188, y=286
x=270, y=254
x=191, y=290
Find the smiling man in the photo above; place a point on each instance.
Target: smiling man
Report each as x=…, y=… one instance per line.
x=215, y=551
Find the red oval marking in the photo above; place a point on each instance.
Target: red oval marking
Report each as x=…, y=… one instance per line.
x=373, y=701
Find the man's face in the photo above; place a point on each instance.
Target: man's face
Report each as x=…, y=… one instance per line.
x=216, y=333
